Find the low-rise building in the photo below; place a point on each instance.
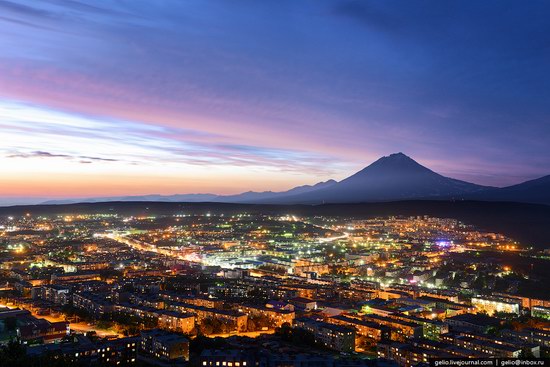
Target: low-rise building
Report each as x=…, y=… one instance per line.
x=106, y=353
x=491, y=305
x=277, y=317
x=164, y=345
x=400, y=329
x=96, y=305
x=226, y=358
x=176, y=321
x=529, y=335
x=407, y=355
x=75, y=277
x=431, y=329
x=192, y=300
x=31, y=329
x=489, y=347
x=336, y=337
x=303, y=304
x=237, y=319
x=476, y=322
x=137, y=310
x=56, y=294
x=364, y=328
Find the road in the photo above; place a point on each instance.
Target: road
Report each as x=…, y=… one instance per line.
x=139, y=245
x=250, y=334
x=81, y=327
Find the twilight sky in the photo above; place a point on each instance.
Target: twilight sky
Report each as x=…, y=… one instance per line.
x=136, y=97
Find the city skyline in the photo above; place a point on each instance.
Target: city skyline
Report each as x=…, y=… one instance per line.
x=223, y=98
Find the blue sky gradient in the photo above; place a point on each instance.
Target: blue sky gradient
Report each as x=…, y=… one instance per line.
x=186, y=96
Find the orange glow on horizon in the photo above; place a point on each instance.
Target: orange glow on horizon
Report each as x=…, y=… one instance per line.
x=64, y=185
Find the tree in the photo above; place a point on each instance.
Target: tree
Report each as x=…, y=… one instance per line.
x=284, y=331
x=251, y=325
x=10, y=323
x=296, y=336
x=107, y=274
x=92, y=335
x=303, y=337
x=526, y=354
x=198, y=344
x=103, y=324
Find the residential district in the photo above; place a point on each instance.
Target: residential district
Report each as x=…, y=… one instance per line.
x=245, y=290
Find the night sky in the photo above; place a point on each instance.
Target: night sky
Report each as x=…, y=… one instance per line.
x=137, y=97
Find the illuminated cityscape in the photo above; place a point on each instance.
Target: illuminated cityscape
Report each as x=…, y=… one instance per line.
x=288, y=183
x=397, y=289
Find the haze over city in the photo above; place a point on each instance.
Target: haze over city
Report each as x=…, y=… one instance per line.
x=132, y=98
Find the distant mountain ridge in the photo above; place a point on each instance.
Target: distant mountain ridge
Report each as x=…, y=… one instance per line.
x=535, y=191
x=245, y=197
x=390, y=178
